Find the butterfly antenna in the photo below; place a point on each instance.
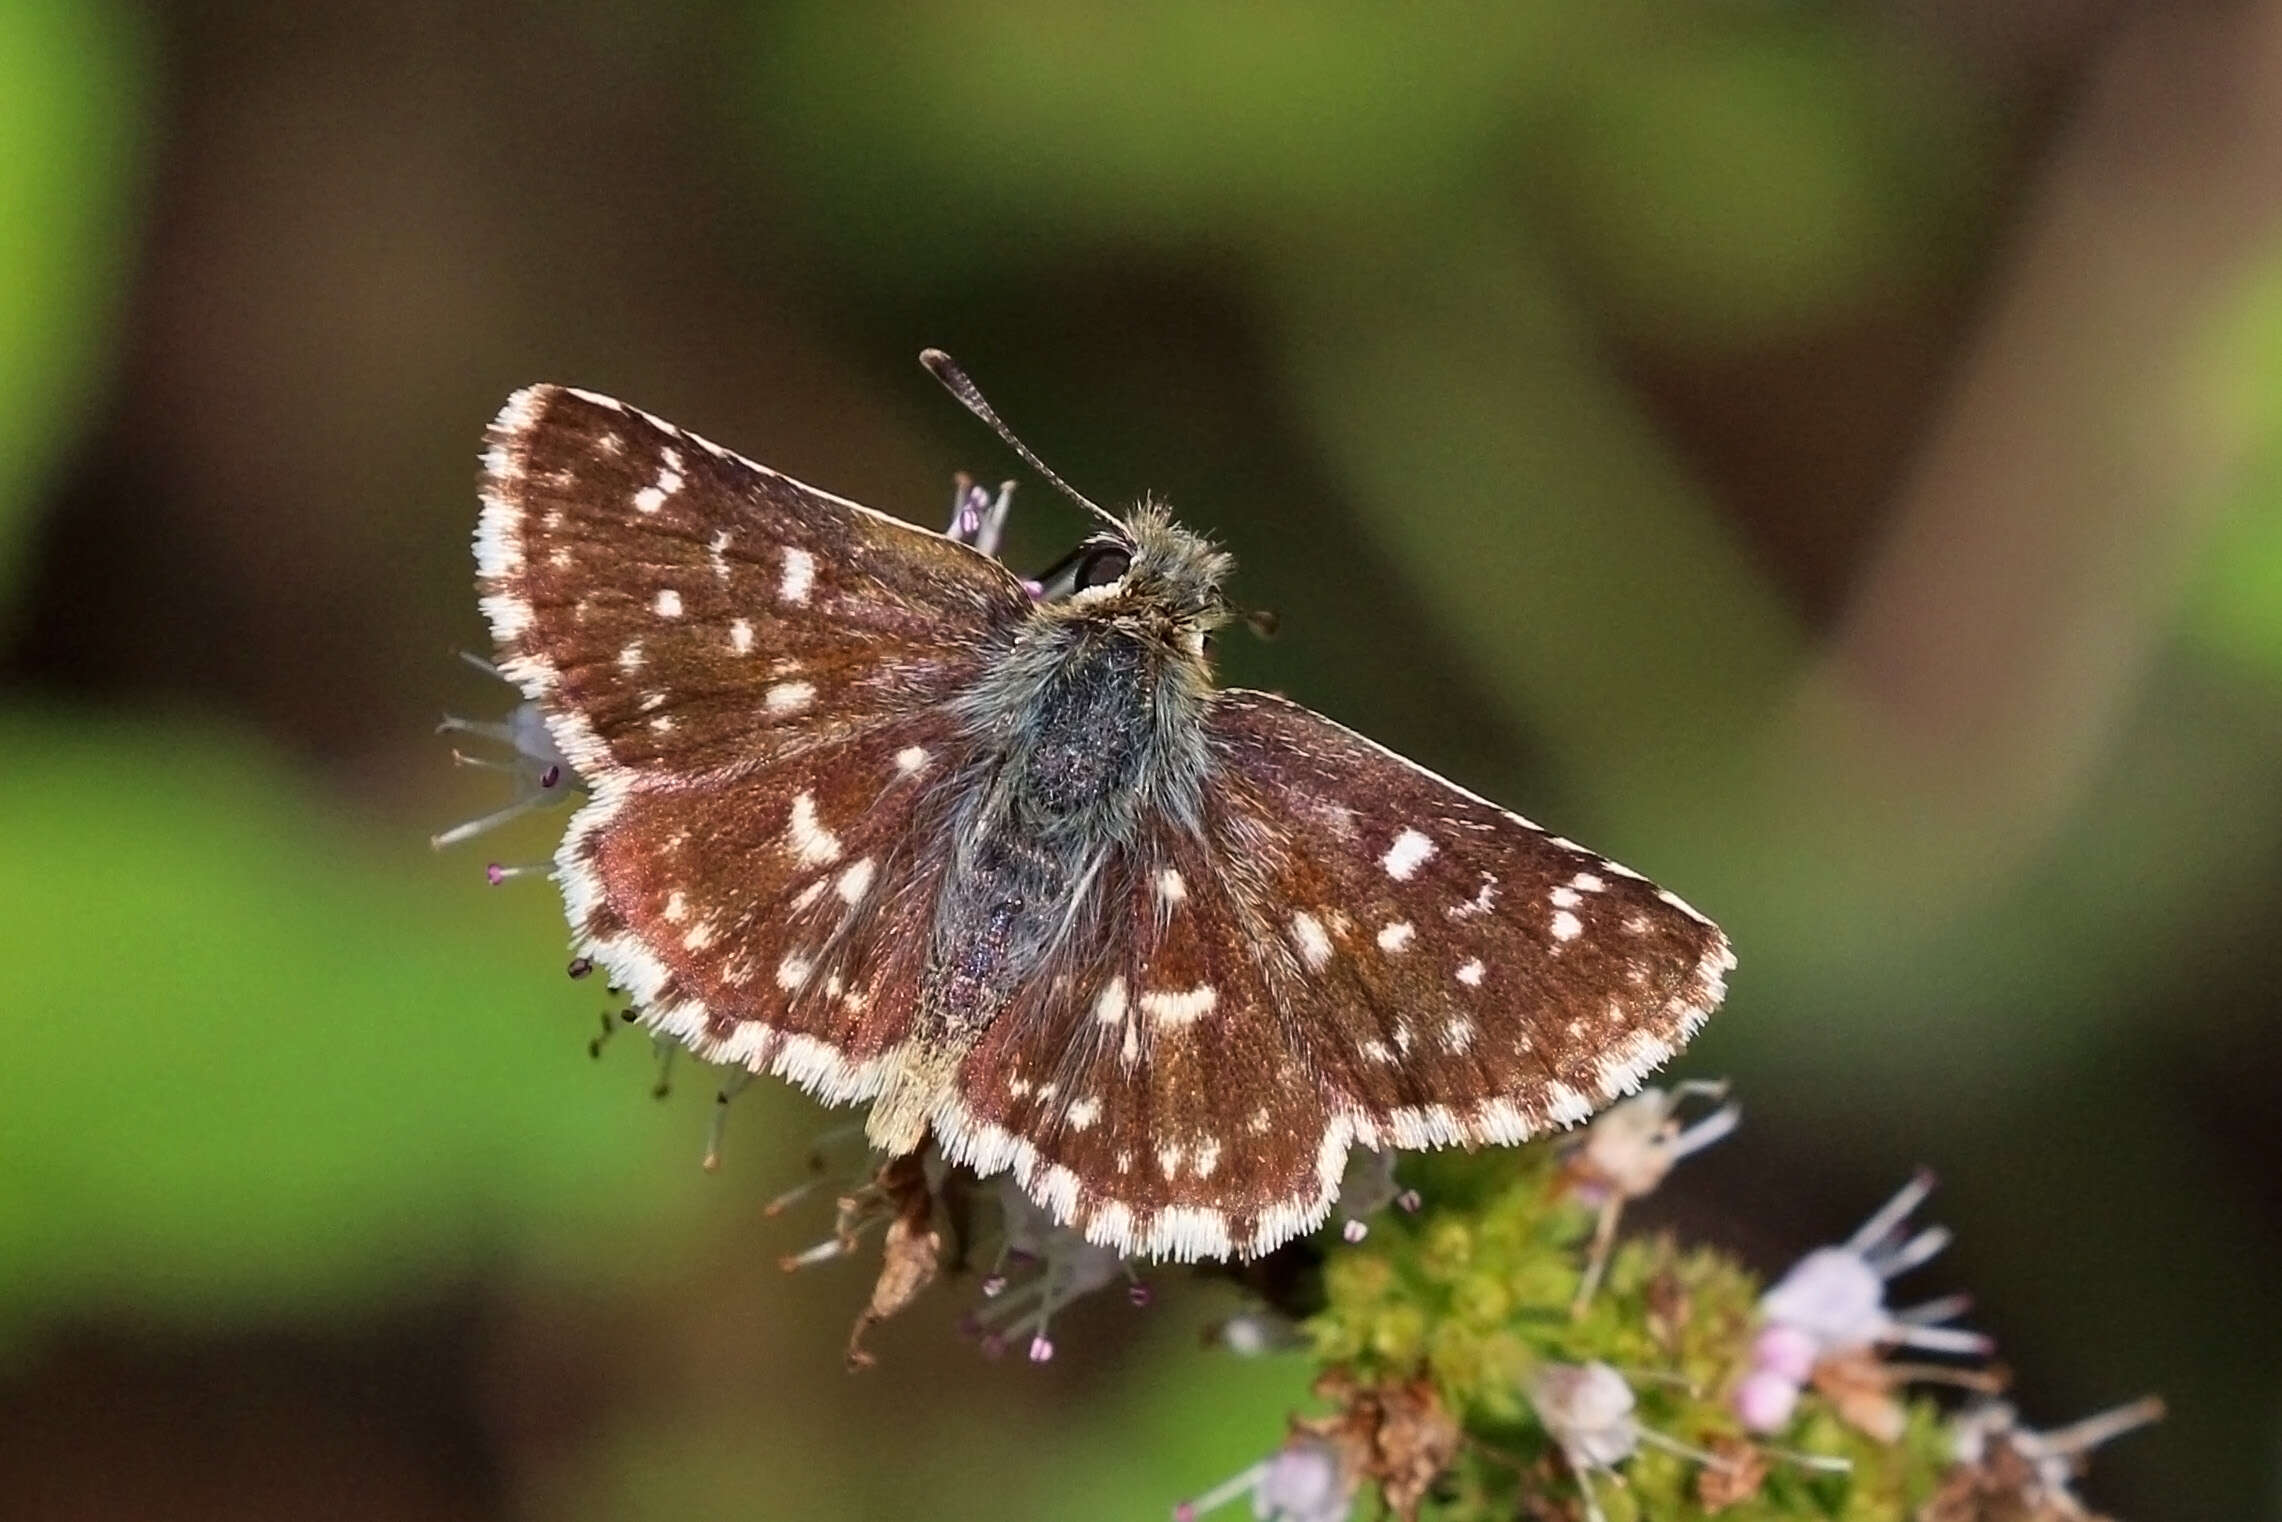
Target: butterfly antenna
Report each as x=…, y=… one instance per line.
x=946, y=369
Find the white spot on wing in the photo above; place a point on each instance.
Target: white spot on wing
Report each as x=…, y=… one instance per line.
x=668, y=604
x=792, y=972
x=630, y=657
x=799, y=575
x=911, y=760
x=1586, y=882
x=677, y=907
x=653, y=496
x=1471, y=973
x=1395, y=935
x=815, y=845
x=1406, y=855
x=1172, y=1011
x=1564, y=898
x=789, y=697
x=1171, y=886
x=855, y=881
x=1109, y=1009
x=1313, y=941
x=1566, y=926
x=1480, y=903
x=740, y=635
x=1084, y=1113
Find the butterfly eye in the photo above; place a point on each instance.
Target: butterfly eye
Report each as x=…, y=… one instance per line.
x=1103, y=566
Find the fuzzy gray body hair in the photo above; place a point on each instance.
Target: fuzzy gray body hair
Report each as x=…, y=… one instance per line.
x=1089, y=728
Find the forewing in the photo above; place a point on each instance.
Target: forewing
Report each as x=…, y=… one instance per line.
x=749, y=675
x=1462, y=975
x=1353, y=950
x=678, y=608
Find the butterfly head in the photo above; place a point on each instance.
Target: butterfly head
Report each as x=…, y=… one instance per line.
x=1154, y=578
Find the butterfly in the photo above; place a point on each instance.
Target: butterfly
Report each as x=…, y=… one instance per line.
x=868, y=813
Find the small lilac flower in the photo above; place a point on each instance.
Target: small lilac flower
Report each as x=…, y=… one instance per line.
x=1256, y=1332
x=1303, y=1481
x=1831, y=1305
x=539, y=775
x=1588, y=1411
x=976, y=517
x=1068, y=1266
x=1764, y=1401
x=1368, y=1187
x=1587, y=1407
x=1836, y=1296
x=736, y=1083
x=2055, y=1459
x=1633, y=1144
x=1782, y=1361
x=1626, y=1153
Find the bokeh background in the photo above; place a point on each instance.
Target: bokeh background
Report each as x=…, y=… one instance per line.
x=1827, y=454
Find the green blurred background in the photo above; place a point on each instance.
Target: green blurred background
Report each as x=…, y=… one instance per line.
x=1829, y=455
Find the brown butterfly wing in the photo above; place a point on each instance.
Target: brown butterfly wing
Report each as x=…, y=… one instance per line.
x=750, y=676
x=680, y=609
x=1470, y=977
x=1354, y=950
x=1156, y=1093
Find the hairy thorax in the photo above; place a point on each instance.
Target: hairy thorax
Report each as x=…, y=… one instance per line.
x=1075, y=757
x=1086, y=735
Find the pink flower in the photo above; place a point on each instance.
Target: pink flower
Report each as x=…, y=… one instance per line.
x=1303, y=1481
x=1830, y=1308
x=538, y=774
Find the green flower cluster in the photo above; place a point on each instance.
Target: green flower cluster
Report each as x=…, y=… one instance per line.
x=1476, y=1290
